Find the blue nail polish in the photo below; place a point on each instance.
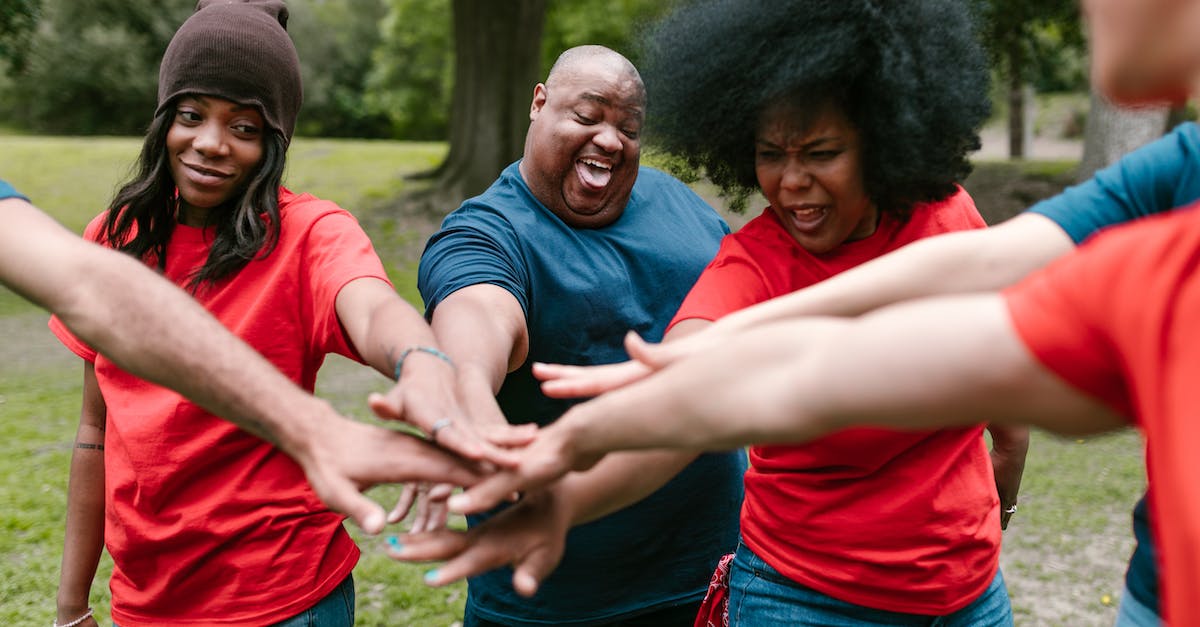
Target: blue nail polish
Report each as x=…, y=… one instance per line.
x=431, y=575
x=394, y=543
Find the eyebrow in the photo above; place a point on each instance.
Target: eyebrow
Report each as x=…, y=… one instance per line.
x=806, y=145
x=237, y=106
x=592, y=96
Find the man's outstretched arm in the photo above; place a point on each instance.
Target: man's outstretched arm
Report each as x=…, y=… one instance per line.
x=154, y=330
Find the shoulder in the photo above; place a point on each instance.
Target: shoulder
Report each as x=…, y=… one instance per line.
x=668, y=198
x=651, y=182
x=304, y=209
x=956, y=212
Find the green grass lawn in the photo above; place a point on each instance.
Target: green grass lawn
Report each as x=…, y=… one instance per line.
x=1064, y=554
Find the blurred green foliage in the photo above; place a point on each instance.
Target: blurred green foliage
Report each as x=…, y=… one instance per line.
x=374, y=68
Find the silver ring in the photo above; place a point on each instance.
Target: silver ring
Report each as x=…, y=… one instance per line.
x=1011, y=510
x=438, y=426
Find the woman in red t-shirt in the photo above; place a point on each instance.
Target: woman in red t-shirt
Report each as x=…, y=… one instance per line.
x=854, y=120
x=208, y=524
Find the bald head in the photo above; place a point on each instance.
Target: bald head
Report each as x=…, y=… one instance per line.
x=588, y=59
x=583, y=145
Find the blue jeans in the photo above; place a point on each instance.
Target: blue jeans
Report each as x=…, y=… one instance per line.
x=335, y=610
x=1134, y=613
x=673, y=616
x=759, y=596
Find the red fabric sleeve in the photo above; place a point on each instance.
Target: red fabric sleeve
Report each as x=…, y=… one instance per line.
x=1061, y=315
x=336, y=252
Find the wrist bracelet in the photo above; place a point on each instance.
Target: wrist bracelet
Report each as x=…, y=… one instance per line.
x=423, y=349
x=86, y=615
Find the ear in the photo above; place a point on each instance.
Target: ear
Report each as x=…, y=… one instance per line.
x=539, y=100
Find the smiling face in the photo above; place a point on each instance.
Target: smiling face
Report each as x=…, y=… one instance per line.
x=1144, y=51
x=214, y=146
x=582, y=149
x=810, y=169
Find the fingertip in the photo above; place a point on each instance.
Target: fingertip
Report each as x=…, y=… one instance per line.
x=459, y=503
x=432, y=578
x=394, y=545
x=525, y=584
x=373, y=522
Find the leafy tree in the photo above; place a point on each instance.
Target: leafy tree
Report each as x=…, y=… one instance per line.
x=413, y=69
x=1019, y=32
x=336, y=40
x=17, y=21
x=92, y=65
x=615, y=24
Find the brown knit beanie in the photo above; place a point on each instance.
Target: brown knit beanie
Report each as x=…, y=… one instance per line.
x=238, y=50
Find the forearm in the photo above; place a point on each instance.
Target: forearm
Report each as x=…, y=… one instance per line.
x=394, y=327
x=84, y=526
x=933, y=363
x=157, y=332
x=84, y=538
x=618, y=481
x=952, y=263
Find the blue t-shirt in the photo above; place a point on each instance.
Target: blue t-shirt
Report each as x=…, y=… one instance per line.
x=582, y=290
x=1157, y=177
x=7, y=191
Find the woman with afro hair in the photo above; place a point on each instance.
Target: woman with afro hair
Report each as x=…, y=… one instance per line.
x=854, y=119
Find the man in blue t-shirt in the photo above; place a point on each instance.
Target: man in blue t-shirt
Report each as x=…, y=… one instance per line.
x=155, y=330
x=1155, y=178
x=573, y=246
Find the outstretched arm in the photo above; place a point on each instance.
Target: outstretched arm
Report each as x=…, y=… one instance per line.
x=386, y=330
x=952, y=263
x=530, y=535
x=154, y=330
x=926, y=364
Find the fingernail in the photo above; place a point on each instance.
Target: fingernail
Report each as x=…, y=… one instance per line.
x=458, y=503
x=431, y=576
x=394, y=543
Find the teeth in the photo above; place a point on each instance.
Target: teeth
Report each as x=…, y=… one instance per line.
x=596, y=164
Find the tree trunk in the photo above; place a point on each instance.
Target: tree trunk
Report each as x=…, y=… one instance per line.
x=1111, y=132
x=1016, y=102
x=497, y=54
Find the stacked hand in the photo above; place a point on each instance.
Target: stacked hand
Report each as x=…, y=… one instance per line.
x=529, y=535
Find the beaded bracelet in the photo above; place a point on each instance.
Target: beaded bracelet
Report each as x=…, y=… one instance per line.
x=85, y=616
x=423, y=349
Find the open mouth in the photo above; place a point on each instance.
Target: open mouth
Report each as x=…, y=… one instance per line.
x=808, y=218
x=594, y=174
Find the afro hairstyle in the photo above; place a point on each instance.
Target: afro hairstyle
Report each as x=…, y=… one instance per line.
x=910, y=75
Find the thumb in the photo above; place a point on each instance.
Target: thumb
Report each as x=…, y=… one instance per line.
x=342, y=496
x=535, y=567
x=656, y=356
x=389, y=406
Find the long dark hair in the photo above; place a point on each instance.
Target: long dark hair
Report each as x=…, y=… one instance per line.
x=247, y=225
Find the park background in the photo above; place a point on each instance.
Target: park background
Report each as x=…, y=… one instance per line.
x=411, y=105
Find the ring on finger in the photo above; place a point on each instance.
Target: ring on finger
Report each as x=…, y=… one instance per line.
x=437, y=427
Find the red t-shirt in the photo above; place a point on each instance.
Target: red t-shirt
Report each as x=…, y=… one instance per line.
x=898, y=521
x=207, y=524
x=1117, y=320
